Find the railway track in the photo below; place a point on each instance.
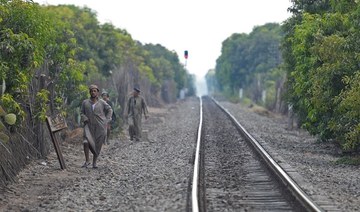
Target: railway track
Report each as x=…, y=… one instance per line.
x=232, y=172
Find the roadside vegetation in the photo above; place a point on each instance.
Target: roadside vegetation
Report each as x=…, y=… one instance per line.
x=311, y=62
x=49, y=55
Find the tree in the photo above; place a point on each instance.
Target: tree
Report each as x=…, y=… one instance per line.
x=169, y=75
x=321, y=56
x=246, y=60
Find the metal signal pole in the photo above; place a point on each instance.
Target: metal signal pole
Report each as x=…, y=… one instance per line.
x=186, y=55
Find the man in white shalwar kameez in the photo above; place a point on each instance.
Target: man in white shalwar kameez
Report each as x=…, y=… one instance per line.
x=95, y=114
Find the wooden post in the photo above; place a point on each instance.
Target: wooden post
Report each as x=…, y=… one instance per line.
x=56, y=124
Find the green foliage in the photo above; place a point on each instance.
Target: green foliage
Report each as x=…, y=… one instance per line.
x=2, y=126
x=190, y=85
x=12, y=106
x=310, y=6
x=2, y=111
x=16, y=49
x=66, y=71
x=42, y=98
x=348, y=125
x=23, y=34
x=165, y=66
x=234, y=99
x=321, y=53
x=246, y=101
x=349, y=160
x=62, y=49
x=246, y=60
x=10, y=118
x=4, y=137
x=211, y=81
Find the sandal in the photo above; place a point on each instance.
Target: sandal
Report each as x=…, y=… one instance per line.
x=85, y=165
x=94, y=166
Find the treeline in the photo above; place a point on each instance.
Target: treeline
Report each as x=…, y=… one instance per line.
x=67, y=47
x=319, y=46
x=249, y=64
x=49, y=55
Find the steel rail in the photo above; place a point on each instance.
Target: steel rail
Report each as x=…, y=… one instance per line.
x=194, y=193
x=298, y=193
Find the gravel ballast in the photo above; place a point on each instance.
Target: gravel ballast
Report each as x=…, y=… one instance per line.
x=153, y=175
x=313, y=160
x=150, y=175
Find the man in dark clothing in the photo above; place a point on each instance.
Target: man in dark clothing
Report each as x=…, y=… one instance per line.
x=135, y=107
x=105, y=96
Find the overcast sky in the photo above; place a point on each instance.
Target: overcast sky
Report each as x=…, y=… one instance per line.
x=199, y=26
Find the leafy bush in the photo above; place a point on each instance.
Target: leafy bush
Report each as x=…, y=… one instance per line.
x=322, y=59
x=12, y=106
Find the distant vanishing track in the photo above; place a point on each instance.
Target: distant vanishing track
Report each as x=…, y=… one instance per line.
x=232, y=176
